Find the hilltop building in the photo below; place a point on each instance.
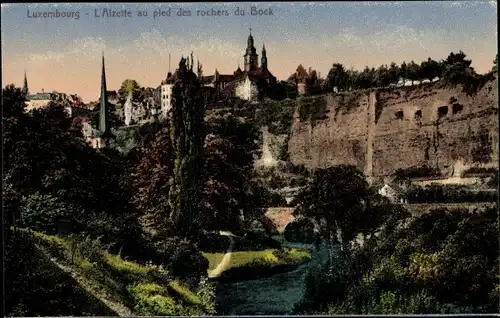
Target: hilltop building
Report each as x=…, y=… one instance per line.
x=247, y=83
x=244, y=84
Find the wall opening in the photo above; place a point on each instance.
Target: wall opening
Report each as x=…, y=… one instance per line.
x=442, y=111
x=457, y=108
x=400, y=115
x=418, y=115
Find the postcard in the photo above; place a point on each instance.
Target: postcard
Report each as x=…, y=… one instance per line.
x=249, y=159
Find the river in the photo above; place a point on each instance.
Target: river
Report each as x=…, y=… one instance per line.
x=274, y=295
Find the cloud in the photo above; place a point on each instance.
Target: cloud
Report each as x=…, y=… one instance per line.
x=88, y=46
x=85, y=48
x=155, y=43
x=46, y=57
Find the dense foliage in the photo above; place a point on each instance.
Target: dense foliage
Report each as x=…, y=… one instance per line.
x=229, y=150
x=187, y=136
x=336, y=197
x=54, y=180
x=37, y=287
x=440, y=193
x=442, y=262
x=453, y=70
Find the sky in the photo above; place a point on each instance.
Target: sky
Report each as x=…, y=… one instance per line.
x=64, y=54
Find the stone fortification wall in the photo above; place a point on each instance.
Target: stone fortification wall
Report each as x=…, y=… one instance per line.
x=384, y=130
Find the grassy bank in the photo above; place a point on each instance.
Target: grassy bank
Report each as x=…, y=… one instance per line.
x=247, y=265
x=35, y=286
x=143, y=289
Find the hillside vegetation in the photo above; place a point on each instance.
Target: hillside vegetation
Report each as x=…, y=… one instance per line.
x=136, y=289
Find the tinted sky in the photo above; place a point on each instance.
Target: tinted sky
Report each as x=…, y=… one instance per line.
x=64, y=54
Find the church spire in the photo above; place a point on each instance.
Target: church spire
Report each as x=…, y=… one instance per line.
x=25, y=86
x=104, y=99
x=251, y=56
x=264, y=58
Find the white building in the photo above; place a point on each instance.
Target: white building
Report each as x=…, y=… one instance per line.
x=246, y=89
x=393, y=193
x=166, y=94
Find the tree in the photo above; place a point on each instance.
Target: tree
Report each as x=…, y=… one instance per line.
x=313, y=84
x=495, y=64
x=382, y=76
x=336, y=196
x=47, y=157
x=132, y=88
x=413, y=71
x=457, y=69
x=113, y=118
x=13, y=101
x=394, y=73
x=428, y=70
x=151, y=179
x=229, y=150
x=352, y=79
x=187, y=134
x=366, y=79
x=404, y=72
x=337, y=77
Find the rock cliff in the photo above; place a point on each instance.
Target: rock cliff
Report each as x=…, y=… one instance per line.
x=380, y=131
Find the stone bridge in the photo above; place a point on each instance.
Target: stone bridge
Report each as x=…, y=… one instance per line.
x=276, y=219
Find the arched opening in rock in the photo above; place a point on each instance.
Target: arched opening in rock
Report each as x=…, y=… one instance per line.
x=442, y=111
x=418, y=115
x=457, y=108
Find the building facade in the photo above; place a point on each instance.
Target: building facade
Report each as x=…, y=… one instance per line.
x=166, y=94
x=244, y=84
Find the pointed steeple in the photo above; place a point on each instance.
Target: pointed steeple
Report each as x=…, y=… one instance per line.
x=104, y=99
x=264, y=58
x=25, y=86
x=250, y=39
x=251, y=57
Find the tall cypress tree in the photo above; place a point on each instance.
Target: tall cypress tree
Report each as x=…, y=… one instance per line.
x=187, y=134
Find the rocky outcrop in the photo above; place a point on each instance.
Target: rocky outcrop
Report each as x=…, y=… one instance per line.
x=380, y=131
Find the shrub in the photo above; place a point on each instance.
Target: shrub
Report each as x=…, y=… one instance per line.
x=46, y=213
x=182, y=259
x=301, y=230
x=206, y=292
x=417, y=172
x=151, y=300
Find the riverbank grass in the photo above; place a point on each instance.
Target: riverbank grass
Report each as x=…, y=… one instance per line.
x=142, y=289
x=265, y=261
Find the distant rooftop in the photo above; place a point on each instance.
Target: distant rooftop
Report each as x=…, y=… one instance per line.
x=40, y=96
